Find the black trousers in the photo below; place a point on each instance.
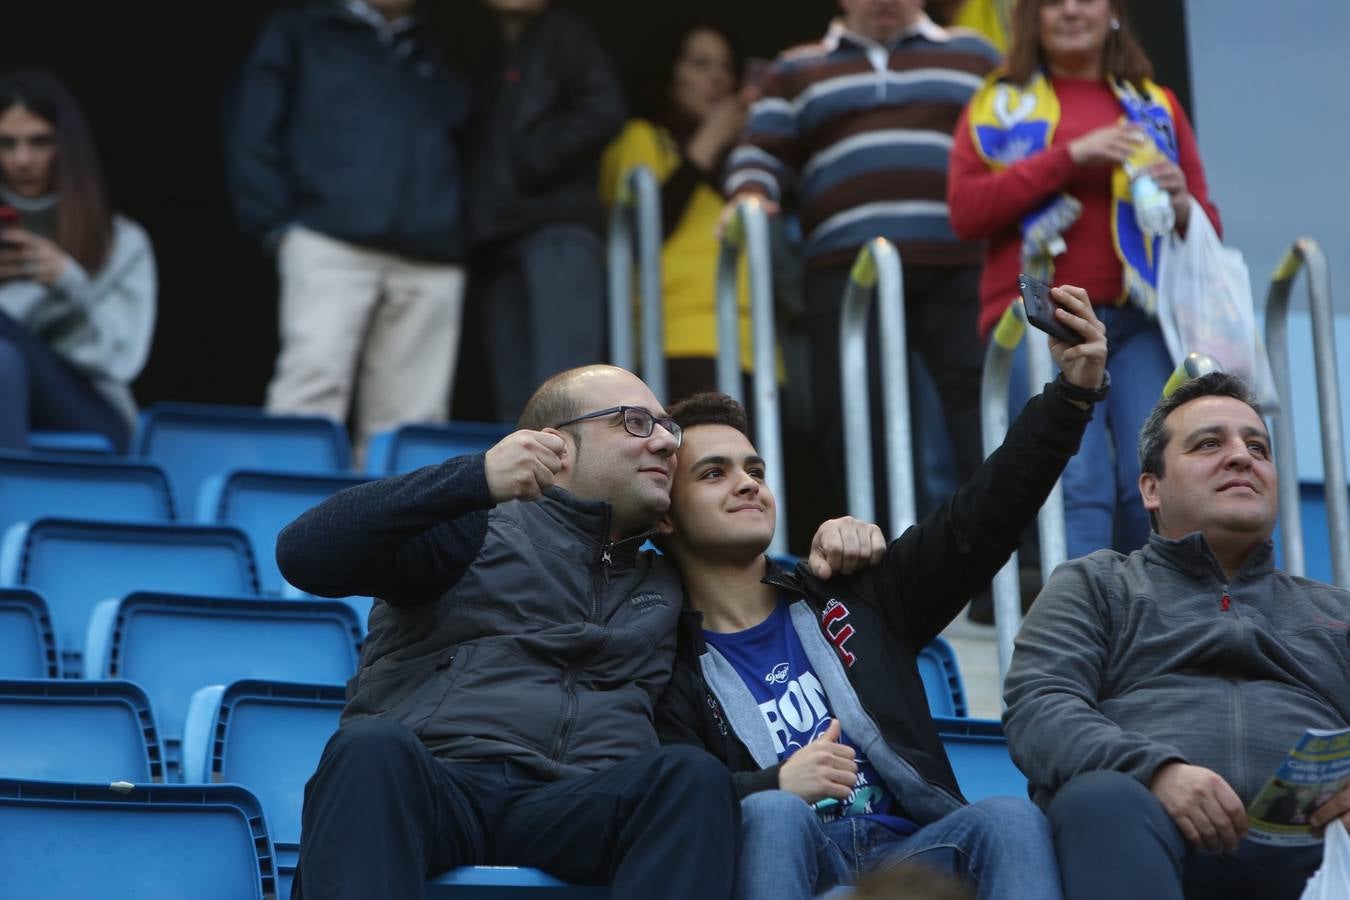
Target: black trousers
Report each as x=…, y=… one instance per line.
x=1115, y=841
x=941, y=311
x=543, y=311
x=382, y=814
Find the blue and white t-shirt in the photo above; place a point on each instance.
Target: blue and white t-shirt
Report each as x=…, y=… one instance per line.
x=773, y=664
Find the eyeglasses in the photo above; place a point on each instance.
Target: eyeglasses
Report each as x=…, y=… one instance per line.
x=636, y=421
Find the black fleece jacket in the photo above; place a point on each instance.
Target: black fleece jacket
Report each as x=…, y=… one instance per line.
x=879, y=618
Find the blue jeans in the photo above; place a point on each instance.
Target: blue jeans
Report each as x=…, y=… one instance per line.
x=1116, y=842
x=39, y=390
x=1101, y=482
x=1001, y=845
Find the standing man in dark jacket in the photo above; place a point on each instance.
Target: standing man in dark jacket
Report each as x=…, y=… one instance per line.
x=533, y=205
x=806, y=683
x=502, y=713
x=343, y=158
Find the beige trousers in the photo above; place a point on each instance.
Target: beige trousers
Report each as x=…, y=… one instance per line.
x=364, y=333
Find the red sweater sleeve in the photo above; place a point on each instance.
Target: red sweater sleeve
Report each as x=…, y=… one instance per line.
x=982, y=201
x=1188, y=157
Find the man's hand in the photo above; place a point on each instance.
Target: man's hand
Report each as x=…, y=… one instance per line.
x=1337, y=807
x=1082, y=364
x=823, y=768
x=1206, y=810
x=522, y=465
x=844, y=546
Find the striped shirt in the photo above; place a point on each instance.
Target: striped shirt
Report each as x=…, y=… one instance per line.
x=860, y=133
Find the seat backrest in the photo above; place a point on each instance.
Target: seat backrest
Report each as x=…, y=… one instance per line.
x=475, y=882
x=265, y=735
x=173, y=644
x=27, y=641
x=942, y=679
x=90, y=442
x=63, y=730
x=262, y=503
x=195, y=441
x=410, y=447
x=33, y=487
x=979, y=755
x=119, y=841
x=76, y=564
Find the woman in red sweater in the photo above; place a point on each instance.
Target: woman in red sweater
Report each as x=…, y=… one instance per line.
x=1041, y=168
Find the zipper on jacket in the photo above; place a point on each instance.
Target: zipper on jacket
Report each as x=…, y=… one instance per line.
x=1227, y=602
x=569, y=682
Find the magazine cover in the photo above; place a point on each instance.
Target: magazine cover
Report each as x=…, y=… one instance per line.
x=1314, y=771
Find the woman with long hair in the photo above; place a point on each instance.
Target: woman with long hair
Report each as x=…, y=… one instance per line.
x=77, y=282
x=689, y=115
x=1050, y=165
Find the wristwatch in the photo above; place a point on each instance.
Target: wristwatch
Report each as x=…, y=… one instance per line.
x=1070, y=391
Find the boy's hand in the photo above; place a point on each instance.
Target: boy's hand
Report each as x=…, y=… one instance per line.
x=845, y=545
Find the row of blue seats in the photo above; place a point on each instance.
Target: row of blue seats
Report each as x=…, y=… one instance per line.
x=174, y=643
x=267, y=737
x=194, y=442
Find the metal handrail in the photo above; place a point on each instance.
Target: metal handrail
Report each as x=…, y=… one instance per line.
x=876, y=267
x=994, y=384
x=637, y=207
x=1306, y=253
x=748, y=230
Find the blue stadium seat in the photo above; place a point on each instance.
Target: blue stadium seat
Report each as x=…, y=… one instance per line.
x=410, y=447
x=193, y=442
x=121, y=841
x=262, y=503
x=76, y=564
x=505, y=883
x=942, y=679
x=70, y=442
x=27, y=641
x=266, y=736
x=979, y=755
x=173, y=644
x=33, y=487
x=78, y=731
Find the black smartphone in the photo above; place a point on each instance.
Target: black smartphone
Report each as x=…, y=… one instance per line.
x=1041, y=309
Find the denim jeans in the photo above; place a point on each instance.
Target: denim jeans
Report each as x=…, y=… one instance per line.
x=1000, y=845
x=1101, y=482
x=40, y=390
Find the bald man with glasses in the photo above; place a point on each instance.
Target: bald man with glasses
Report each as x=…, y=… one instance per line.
x=501, y=714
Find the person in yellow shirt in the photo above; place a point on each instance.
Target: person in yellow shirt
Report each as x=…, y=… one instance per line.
x=690, y=114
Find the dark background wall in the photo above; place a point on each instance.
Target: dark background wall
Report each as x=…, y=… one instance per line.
x=151, y=75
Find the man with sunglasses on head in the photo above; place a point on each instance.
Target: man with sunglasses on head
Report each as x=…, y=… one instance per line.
x=502, y=712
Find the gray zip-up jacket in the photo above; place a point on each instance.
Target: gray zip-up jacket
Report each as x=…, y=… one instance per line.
x=1128, y=662
x=516, y=631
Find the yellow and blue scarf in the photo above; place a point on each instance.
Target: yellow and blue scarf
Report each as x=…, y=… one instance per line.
x=1010, y=123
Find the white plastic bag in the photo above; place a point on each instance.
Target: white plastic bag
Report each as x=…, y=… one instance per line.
x=1332, y=879
x=1205, y=305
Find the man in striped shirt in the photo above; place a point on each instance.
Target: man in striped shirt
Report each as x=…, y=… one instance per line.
x=855, y=132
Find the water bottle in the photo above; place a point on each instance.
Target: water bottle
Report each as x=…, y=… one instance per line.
x=1152, y=205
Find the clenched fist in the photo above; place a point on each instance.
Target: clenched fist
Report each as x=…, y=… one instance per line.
x=523, y=465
